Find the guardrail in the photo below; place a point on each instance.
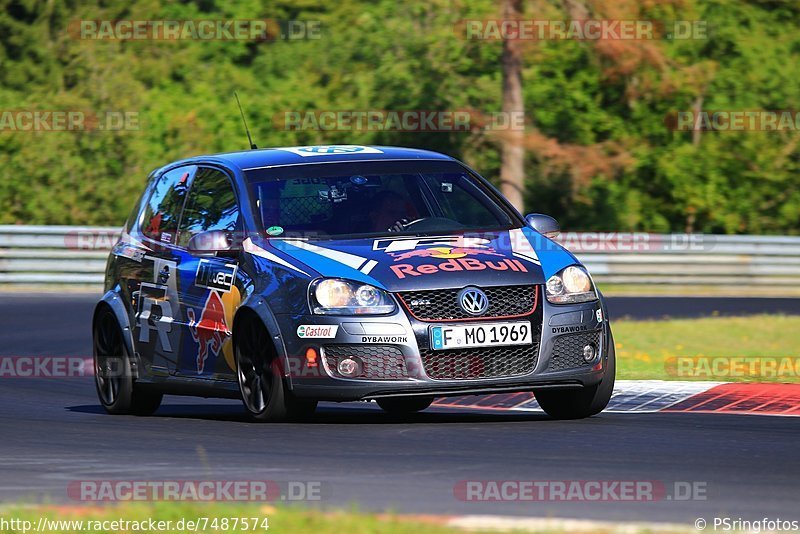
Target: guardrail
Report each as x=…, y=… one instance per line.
x=54, y=255
x=45, y=256
x=689, y=259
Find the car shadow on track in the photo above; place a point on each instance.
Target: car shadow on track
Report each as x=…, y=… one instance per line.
x=333, y=414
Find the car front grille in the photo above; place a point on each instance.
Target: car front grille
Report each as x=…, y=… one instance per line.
x=568, y=351
x=379, y=362
x=443, y=305
x=477, y=363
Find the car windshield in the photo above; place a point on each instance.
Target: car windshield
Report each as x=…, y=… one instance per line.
x=345, y=200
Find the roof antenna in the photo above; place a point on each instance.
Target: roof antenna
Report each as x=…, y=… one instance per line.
x=246, y=129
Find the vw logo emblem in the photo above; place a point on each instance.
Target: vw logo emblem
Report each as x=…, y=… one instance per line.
x=473, y=301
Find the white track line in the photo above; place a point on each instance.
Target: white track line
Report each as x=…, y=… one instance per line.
x=642, y=396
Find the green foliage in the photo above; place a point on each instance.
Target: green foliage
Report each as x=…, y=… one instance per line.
x=601, y=156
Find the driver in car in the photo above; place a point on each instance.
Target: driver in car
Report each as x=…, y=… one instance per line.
x=390, y=211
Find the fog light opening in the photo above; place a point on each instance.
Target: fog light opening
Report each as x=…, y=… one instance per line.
x=350, y=367
x=589, y=353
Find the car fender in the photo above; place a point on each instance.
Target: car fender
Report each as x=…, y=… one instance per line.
x=113, y=301
x=257, y=305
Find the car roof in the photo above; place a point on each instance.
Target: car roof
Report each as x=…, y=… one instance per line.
x=271, y=157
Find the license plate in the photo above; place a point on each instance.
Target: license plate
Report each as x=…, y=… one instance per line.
x=481, y=335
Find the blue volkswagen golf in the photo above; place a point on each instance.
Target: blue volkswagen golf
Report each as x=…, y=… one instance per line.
x=289, y=276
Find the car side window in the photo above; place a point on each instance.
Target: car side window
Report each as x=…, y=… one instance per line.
x=159, y=220
x=211, y=205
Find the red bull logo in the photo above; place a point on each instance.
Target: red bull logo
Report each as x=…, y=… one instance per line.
x=444, y=253
x=458, y=258
x=211, y=331
x=457, y=265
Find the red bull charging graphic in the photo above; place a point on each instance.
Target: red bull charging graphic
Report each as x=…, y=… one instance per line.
x=211, y=331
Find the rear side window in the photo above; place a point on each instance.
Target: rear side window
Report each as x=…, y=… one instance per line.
x=163, y=210
x=211, y=206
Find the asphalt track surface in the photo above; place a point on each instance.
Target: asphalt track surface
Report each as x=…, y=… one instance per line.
x=54, y=433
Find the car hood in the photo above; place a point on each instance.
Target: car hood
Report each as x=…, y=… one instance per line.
x=511, y=257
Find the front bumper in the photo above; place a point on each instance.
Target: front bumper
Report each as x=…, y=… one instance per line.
x=405, y=369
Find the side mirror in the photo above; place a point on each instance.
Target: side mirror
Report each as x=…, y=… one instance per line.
x=211, y=242
x=544, y=224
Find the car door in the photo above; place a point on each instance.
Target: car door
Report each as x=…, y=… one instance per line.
x=155, y=300
x=209, y=292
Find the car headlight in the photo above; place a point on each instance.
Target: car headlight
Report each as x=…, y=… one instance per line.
x=571, y=285
x=331, y=296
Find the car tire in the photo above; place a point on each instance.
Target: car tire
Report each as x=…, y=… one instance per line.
x=404, y=405
x=589, y=401
x=116, y=389
x=261, y=382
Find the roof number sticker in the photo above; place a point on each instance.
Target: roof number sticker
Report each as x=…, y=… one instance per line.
x=328, y=150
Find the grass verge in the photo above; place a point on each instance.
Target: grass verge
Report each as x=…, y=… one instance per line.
x=760, y=348
x=229, y=518
x=205, y=517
